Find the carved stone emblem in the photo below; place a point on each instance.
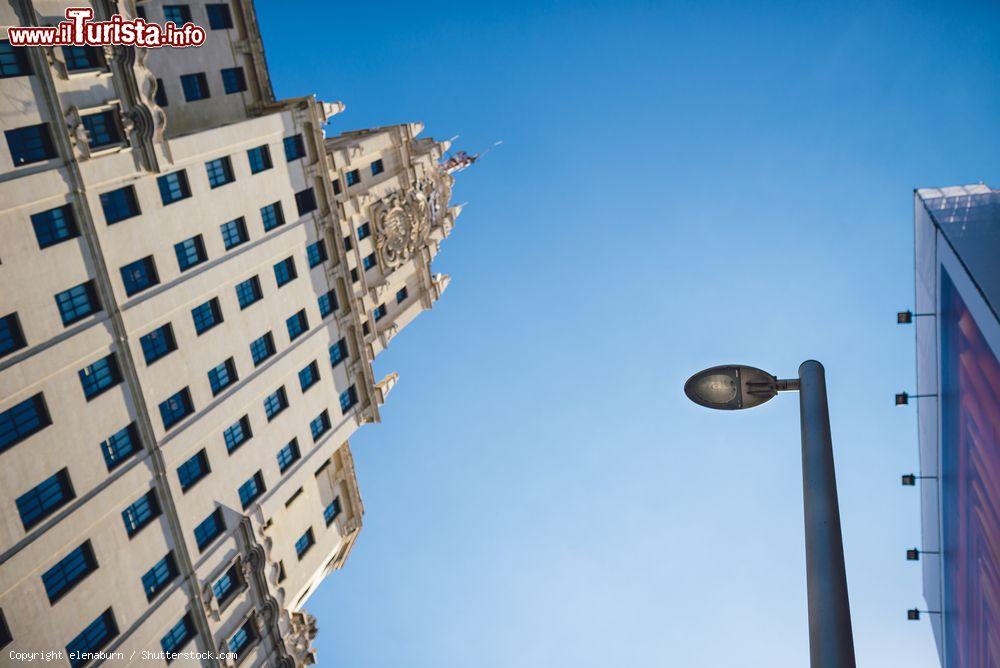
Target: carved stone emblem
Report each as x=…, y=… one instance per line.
x=402, y=222
x=438, y=193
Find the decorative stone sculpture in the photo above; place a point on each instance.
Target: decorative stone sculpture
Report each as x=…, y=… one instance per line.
x=402, y=222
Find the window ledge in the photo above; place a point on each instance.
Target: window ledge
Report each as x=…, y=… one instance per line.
x=95, y=72
x=110, y=149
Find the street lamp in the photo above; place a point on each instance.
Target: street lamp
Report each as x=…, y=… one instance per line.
x=734, y=387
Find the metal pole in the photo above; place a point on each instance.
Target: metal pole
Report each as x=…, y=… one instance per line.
x=831, y=641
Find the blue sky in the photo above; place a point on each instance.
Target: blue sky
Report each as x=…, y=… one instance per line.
x=680, y=185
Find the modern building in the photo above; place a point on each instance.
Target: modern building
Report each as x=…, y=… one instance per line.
x=194, y=282
x=958, y=402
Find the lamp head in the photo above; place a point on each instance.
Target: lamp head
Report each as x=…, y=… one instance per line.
x=731, y=387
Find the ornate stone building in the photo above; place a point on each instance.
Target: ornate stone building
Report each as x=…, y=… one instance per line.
x=194, y=282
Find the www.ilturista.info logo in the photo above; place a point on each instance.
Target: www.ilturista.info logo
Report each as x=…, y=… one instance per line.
x=79, y=30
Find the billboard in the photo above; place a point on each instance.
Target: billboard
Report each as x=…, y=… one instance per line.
x=970, y=486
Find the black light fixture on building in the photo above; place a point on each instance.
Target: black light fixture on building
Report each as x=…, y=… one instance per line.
x=914, y=554
x=914, y=614
x=903, y=398
x=906, y=317
x=910, y=479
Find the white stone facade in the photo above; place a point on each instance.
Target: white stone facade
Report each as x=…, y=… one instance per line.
x=379, y=206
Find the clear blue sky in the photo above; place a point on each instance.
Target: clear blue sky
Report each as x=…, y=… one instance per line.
x=540, y=492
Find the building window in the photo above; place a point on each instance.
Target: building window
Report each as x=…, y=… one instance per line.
x=364, y=231
x=251, y=490
x=178, y=636
x=190, y=252
x=305, y=201
x=248, y=292
x=272, y=216
x=401, y=295
x=309, y=376
x=220, y=172
x=234, y=233
x=228, y=585
x=222, y=376
x=44, y=499
x=55, y=226
x=377, y=167
x=379, y=312
x=159, y=576
x=319, y=425
x=179, y=14
x=260, y=159
x=173, y=187
x=92, y=639
x=369, y=261
x=237, y=434
x=288, y=455
x=348, y=245
x=348, y=398
x=275, y=402
x=262, y=348
x=281, y=571
x=69, y=572
x=353, y=178
x=160, y=97
x=338, y=352
x=119, y=205
x=120, y=446
x=139, y=275
x=22, y=420
x=365, y=329
x=206, y=316
x=99, y=377
x=331, y=511
x=13, y=60
x=141, y=513
x=158, y=344
x=176, y=408
x=295, y=147
x=77, y=303
x=102, y=129
x=327, y=303
x=82, y=58
x=284, y=271
x=304, y=542
x=209, y=529
x=233, y=80
x=243, y=638
x=193, y=470
x=30, y=144
x=11, y=335
x=336, y=186
x=219, y=17
x=195, y=87
x=316, y=253
x=297, y=325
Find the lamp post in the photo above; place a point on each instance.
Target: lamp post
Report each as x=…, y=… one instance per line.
x=735, y=387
